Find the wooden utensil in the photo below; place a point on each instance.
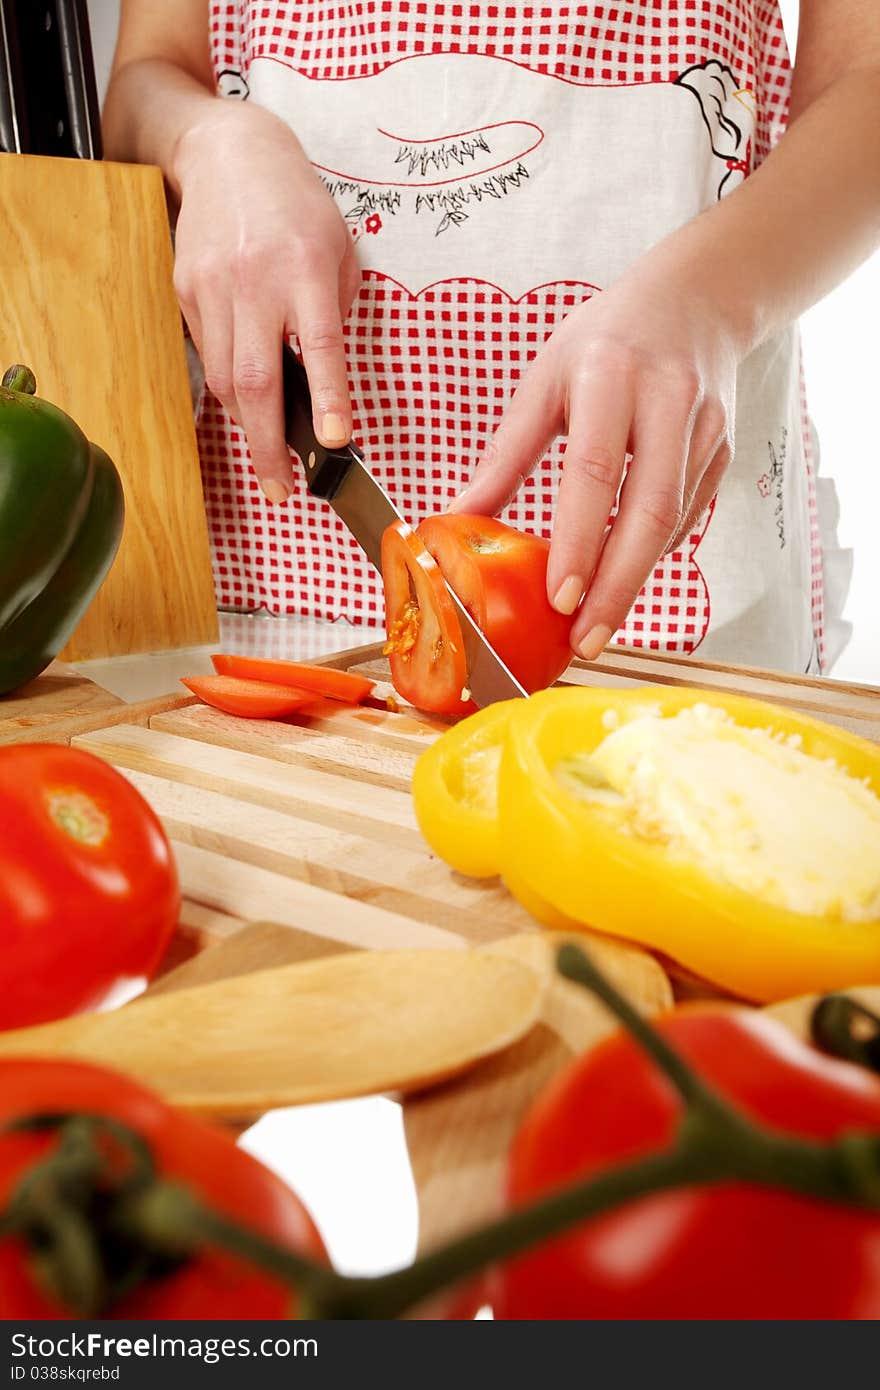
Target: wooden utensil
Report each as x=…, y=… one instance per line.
x=459, y=1134
x=358, y=1024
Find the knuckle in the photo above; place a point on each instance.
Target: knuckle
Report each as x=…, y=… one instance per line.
x=661, y=511
x=607, y=355
x=685, y=383
x=320, y=337
x=491, y=457
x=184, y=284
x=253, y=377
x=309, y=256
x=250, y=265
x=208, y=270
x=595, y=464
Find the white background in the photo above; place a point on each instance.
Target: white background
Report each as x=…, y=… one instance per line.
x=349, y=1161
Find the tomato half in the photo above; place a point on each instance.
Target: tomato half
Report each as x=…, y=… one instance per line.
x=500, y=575
x=205, y=1160
x=322, y=680
x=424, y=645
x=729, y=1251
x=89, y=894
x=248, y=699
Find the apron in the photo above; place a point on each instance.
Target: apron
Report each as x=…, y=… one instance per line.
x=497, y=165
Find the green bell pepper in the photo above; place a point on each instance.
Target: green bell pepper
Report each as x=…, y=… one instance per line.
x=61, y=518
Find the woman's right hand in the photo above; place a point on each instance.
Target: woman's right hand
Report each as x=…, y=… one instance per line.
x=262, y=251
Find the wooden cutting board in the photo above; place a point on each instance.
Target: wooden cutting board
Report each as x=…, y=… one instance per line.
x=307, y=823
x=88, y=303
x=61, y=703
x=59, y=694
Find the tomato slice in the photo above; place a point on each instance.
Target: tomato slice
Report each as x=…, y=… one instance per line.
x=500, y=575
x=248, y=699
x=323, y=680
x=428, y=665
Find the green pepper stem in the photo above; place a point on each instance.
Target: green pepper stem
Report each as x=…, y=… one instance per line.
x=19, y=378
x=575, y=965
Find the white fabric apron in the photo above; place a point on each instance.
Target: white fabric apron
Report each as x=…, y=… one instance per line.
x=497, y=165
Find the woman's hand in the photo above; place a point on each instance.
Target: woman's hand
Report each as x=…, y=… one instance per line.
x=262, y=251
x=644, y=369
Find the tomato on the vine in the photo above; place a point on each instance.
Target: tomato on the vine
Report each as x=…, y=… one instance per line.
x=729, y=1250
x=206, y=1161
x=89, y=893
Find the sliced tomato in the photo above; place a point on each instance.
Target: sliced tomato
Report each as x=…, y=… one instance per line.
x=500, y=575
x=248, y=699
x=425, y=645
x=322, y=680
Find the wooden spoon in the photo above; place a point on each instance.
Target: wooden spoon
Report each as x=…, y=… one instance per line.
x=359, y=1023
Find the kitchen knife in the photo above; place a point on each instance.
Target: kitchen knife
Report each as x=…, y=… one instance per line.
x=342, y=478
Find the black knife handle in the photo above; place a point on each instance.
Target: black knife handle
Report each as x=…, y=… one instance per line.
x=324, y=468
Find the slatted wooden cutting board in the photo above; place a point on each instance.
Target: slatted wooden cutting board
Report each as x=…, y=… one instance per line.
x=61, y=703
x=308, y=823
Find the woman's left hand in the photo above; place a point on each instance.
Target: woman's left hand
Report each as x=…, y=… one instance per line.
x=647, y=368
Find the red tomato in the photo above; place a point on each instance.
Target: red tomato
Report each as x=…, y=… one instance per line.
x=733, y=1251
x=89, y=895
x=500, y=575
x=248, y=699
x=424, y=635
x=211, y=1284
x=321, y=680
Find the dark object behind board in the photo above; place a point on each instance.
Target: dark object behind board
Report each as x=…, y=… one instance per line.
x=48, y=97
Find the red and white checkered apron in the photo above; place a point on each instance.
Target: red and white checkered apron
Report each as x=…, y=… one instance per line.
x=497, y=165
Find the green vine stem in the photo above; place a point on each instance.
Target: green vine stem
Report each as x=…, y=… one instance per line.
x=148, y=1224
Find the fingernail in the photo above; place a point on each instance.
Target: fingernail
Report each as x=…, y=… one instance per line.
x=595, y=641
x=569, y=594
x=333, y=429
x=275, y=490
x=460, y=502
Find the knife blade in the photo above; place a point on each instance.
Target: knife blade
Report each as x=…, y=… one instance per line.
x=342, y=478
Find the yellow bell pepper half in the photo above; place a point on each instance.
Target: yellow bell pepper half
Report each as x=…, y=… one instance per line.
x=455, y=792
x=572, y=853
x=455, y=789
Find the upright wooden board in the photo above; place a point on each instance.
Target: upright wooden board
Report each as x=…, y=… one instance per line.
x=89, y=305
